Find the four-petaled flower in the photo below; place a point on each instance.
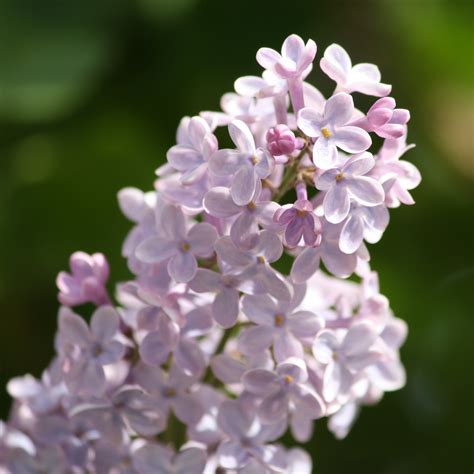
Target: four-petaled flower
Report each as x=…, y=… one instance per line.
x=331, y=130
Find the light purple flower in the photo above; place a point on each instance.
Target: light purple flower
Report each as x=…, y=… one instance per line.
x=336, y=261
x=130, y=407
x=153, y=458
x=363, y=223
x=384, y=119
x=278, y=324
x=178, y=245
x=401, y=175
x=192, y=155
x=331, y=130
x=293, y=64
x=247, y=438
x=86, y=282
x=256, y=262
x=171, y=391
x=299, y=222
x=282, y=390
x=85, y=351
x=247, y=164
x=348, y=183
x=294, y=60
x=157, y=345
x=225, y=306
x=344, y=353
x=218, y=202
x=364, y=77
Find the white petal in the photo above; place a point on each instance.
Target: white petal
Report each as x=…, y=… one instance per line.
x=242, y=136
x=352, y=235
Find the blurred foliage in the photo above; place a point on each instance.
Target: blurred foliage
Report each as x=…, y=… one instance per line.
x=91, y=93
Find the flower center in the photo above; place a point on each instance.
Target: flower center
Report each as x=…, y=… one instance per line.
x=326, y=133
x=334, y=356
x=288, y=379
x=254, y=160
x=301, y=213
x=185, y=247
x=260, y=260
x=339, y=176
x=251, y=206
x=169, y=392
x=279, y=320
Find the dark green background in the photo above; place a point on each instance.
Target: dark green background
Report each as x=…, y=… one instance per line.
x=91, y=93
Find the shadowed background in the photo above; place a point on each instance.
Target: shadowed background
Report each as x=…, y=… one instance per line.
x=91, y=93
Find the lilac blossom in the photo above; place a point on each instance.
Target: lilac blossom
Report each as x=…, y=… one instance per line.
x=86, y=351
x=282, y=388
x=332, y=130
x=247, y=439
x=86, y=282
x=363, y=77
x=349, y=183
x=384, y=119
x=278, y=324
x=191, y=157
x=343, y=356
x=178, y=245
x=212, y=243
x=247, y=164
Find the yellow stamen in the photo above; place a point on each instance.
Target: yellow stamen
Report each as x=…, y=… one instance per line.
x=326, y=133
x=251, y=206
x=185, y=247
x=288, y=379
x=300, y=213
x=260, y=259
x=279, y=320
x=254, y=160
x=339, y=176
x=170, y=392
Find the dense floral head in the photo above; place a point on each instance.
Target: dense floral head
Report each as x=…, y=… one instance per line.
x=213, y=351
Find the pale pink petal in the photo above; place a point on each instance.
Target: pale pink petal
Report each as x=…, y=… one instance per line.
x=187, y=408
x=360, y=164
x=226, y=162
x=218, y=202
x=367, y=191
x=338, y=109
x=225, y=308
x=242, y=136
x=243, y=185
x=260, y=309
x=190, y=460
x=352, y=139
x=336, y=203
x=331, y=381
x=305, y=265
x=155, y=249
x=255, y=340
x=336, y=63
x=201, y=238
x=104, y=323
x=274, y=407
x=182, y=267
x=267, y=57
x=325, y=153
x=249, y=86
x=359, y=339
x=352, y=235
x=260, y=381
x=310, y=122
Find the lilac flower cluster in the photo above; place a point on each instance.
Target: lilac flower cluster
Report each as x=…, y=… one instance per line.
x=211, y=352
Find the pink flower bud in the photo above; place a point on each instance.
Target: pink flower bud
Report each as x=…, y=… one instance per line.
x=282, y=141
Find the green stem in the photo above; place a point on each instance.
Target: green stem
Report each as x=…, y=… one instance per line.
x=289, y=177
